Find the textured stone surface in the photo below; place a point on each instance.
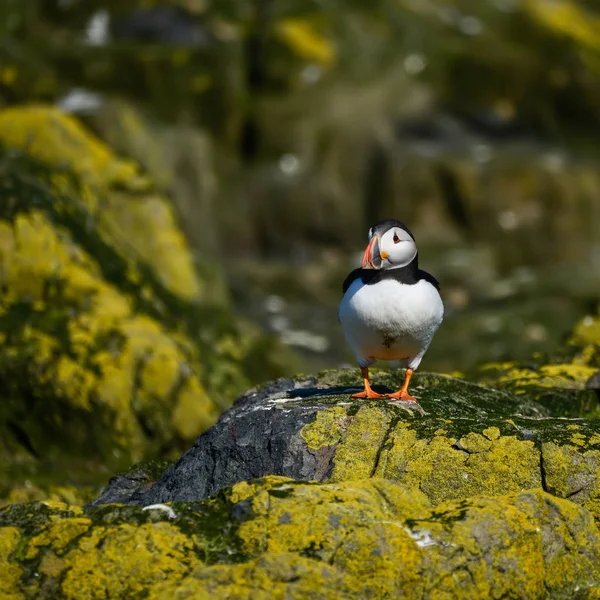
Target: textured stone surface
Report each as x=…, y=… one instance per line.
x=278, y=538
x=472, y=441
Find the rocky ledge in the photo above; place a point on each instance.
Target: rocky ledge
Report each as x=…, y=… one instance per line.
x=300, y=491
x=461, y=440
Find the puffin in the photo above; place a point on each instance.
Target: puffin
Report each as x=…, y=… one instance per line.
x=391, y=309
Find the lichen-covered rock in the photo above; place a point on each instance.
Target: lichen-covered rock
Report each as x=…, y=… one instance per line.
x=111, y=346
x=70, y=555
x=471, y=441
x=113, y=192
x=564, y=382
x=585, y=338
x=271, y=577
x=279, y=538
x=30, y=492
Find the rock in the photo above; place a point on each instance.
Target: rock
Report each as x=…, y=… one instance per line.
x=472, y=441
x=30, y=492
x=112, y=348
x=564, y=381
x=586, y=339
x=561, y=385
x=139, y=476
x=278, y=538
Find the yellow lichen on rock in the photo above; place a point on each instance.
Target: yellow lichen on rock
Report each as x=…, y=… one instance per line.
x=587, y=331
x=58, y=535
x=71, y=556
x=326, y=429
x=93, y=371
x=496, y=559
x=10, y=573
x=291, y=517
x=148, y=225
x=568, y=19
x=93, y=270
x=58, y=140
x=279, y=538
x=356, y=455
x=559, y=376
x=125, y=561
x=586, y=336
x=445, y=471
x=387, y=543
x=564, y=526
x=351, y=526
x=138, y=223
x=194, y=410
x=270, y=577
x=67, y=494
x=571, y=473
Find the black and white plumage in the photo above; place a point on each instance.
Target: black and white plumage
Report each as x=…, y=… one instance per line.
x=391, y=309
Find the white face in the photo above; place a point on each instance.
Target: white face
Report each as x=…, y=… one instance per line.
x=397, y=248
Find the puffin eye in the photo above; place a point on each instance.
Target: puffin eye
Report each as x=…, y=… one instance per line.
x=396, y=238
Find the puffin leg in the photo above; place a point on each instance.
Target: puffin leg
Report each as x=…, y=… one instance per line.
x=368, y=392
x=403, y=394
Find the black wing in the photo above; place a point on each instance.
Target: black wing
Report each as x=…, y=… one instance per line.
x=428, y=277
x=354, y=275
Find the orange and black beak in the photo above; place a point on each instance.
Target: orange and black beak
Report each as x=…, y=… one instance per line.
x=372, y=258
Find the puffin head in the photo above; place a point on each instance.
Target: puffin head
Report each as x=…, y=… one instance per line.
x=391, y=245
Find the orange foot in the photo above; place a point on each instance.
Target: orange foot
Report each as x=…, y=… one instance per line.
x=367, y=393
x=402, y=395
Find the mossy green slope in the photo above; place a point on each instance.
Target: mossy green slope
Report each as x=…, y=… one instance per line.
x=100, y=309
x=277, y=538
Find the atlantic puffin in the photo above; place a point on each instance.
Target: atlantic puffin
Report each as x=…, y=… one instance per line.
x=391, y=309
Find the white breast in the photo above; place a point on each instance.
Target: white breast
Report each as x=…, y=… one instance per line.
x=389, y=320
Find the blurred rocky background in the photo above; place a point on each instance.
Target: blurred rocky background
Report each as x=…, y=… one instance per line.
x=184, y=186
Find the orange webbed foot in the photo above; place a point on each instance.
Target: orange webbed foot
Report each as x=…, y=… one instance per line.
x=368, y=394
x=402, y=395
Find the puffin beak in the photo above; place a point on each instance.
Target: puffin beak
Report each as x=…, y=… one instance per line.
x=371, y=254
